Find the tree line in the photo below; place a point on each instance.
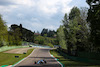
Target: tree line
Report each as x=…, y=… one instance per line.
x=14, y=35
x=46, y=37
x=48, y=33
x=17, y=34
x=81, y=29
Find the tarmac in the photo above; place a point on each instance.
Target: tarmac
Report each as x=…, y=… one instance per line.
x=36, y=55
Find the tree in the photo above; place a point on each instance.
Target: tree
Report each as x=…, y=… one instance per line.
x=15, y=35
x=61, y=37
x=51, y=33
x=44, y=31
x=75, y=12
x=66, y=33
x=94, y=20
x=71, y=28
x=76, y=30
x=40, y=40
x=48, y=33
x=85, y=29
x=19, y=34
x=3, y=32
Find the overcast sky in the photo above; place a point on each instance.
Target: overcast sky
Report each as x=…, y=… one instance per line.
x=37, y=14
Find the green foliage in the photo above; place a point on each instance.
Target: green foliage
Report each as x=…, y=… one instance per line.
x=74, y=31
x=3, y=32
x=61, y=37
x=17, y=34
x=43, y=40
x=24, y=34
x=48, y=33
x=49, y=44
x=75, y=12
x=39, y=39
x=94, y=20
x=44, y=31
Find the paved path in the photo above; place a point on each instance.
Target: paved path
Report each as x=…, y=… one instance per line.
x=38, y=54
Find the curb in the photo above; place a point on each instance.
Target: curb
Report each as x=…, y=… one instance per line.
x=62, y=65
x=17, y=62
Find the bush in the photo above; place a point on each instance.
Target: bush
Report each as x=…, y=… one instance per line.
x=49, y=44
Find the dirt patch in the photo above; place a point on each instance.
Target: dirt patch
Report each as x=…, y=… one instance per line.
x=18, y=50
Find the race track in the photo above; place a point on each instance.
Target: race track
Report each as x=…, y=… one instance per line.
x=38, y=54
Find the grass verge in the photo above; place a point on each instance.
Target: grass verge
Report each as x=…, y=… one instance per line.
x=70, y=63
x=9, y=58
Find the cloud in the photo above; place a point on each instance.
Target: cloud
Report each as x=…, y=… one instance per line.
x=36, y=14
x=35, y=19
x=16, y=2
x=39, y=26
x=29, y=3
x=36, y=24
x=79, y=3
x=6, y=2
x=51, y=27
x=20, y=15
x=45, y=6
x=8, y=25
x=52, y=6
x=7, y=9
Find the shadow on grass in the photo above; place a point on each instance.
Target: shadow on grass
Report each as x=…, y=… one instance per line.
x=70, y=62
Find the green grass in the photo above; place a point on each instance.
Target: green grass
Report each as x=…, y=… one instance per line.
x=68, y=62
x=9, y=59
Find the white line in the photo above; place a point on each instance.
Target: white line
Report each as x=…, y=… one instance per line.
x=24, y=58
x=55, y=59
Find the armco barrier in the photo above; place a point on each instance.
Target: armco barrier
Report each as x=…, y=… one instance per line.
x=80, y=59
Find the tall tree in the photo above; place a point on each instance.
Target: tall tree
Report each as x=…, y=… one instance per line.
x=75, y=12
x=66, y=32
x=15, y=35
x=20, y=34
x=85, y=29
x=75, y=29
x=3, y=32
x=61, y=37
x=44, y=31
x=94, y=20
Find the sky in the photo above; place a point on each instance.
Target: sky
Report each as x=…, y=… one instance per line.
x=37, y=14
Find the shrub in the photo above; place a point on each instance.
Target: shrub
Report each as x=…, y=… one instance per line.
x=49, y=44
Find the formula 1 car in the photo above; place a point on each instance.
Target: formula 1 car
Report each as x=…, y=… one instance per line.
x=40, y=62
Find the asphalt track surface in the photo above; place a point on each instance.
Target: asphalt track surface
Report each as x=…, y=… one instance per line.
x=38, y=54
